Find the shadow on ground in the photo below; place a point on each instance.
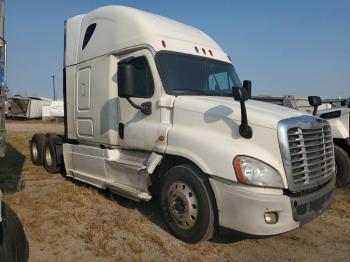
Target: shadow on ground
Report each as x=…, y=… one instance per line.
x=152, y=211
x=10, y=171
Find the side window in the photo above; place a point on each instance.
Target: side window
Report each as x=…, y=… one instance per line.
x=88, y=34
x=143, y=79
x=220, y=81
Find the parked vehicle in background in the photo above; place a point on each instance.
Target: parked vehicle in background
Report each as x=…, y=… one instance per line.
x=13, y=243
x=153, y=106
x=2, y=122
x=337, y=113
x=27, y=107
x=337, y=102
x=3, y=87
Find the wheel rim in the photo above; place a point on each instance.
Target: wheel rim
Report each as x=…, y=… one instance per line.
x=35, y=150
x=183, y=205
x=48, y=156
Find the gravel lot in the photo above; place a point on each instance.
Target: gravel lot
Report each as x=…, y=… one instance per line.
x=68, y=221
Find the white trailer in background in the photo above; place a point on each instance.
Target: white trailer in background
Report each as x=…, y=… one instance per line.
x=27, y=107
x=153, y=106
x=55, y=111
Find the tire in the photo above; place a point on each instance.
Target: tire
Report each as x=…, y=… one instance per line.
x=188, y=204
x=53, y=154
x=342, y=162
x=36, y=146
x=13, y=242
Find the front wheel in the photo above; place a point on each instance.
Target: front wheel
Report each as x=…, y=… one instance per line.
x=188, y=204
x=342, y=165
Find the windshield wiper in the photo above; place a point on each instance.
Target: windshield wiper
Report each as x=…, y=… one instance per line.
x=191, y=90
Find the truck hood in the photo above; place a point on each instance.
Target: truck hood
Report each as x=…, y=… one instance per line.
x=259, y=113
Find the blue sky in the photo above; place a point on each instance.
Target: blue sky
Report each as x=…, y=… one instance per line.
x=285, y=47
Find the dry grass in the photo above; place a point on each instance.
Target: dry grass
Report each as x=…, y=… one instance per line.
x=135, y=247
x=31, y=121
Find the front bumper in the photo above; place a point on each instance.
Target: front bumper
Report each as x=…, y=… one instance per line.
x=243, y=210
x=307, y=207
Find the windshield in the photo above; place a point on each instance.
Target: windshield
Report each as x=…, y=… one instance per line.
x=192, y=75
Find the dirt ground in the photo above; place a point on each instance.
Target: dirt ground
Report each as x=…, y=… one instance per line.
x=69, y=221
x=35, y=126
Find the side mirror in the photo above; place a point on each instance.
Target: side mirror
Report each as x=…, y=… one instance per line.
x=126, y=79
x=315, y=102
x=247, y=85
x=241, y=95
x=128, y=85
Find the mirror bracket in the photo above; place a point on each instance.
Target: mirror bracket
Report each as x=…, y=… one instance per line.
x=145, y=107
x=240, y=94
x=244, y=129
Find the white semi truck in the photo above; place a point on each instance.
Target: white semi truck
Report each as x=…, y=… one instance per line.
x=153, y=106
x=339, y=120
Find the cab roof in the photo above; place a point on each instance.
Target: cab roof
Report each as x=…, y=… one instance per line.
x=120, y=27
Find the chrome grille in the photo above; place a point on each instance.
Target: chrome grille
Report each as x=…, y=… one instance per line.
x=311, y=153
x=307, y=150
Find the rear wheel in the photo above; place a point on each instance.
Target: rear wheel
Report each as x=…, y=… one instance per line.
x=36, y=146
x=342, y=166
x=53, y=154
x=187, y=203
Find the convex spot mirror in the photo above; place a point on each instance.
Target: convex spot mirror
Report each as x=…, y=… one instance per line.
x=315, y=102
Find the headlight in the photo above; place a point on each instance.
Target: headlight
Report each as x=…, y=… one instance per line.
x=254, y=172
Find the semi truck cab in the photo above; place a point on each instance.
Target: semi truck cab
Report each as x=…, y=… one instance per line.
x=154, y=106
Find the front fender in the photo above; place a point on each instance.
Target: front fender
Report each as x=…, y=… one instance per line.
x=214, y=152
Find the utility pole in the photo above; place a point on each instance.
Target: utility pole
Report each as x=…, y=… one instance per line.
x=3, y=87
x=54, y=88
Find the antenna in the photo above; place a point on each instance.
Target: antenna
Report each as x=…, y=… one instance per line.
x=54, y=87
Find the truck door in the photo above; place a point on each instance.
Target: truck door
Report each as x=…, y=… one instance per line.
x=136, y=129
